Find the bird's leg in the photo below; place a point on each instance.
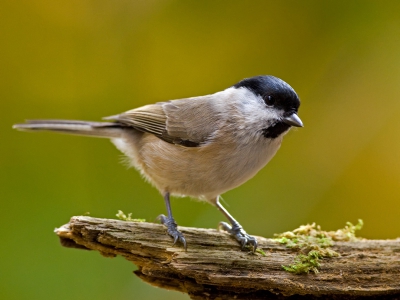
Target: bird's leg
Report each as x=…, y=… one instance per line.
x=235, y=229
x=169, y=222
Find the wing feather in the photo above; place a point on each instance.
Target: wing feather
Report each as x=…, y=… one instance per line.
x=187, y=122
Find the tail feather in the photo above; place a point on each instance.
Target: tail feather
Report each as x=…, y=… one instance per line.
x=95, y=129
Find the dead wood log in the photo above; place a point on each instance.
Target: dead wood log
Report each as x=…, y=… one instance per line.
x=214, y=266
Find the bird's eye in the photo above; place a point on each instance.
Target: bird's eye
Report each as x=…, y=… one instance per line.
x=270, y=100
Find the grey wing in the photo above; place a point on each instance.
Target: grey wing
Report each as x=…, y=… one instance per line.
x=187, y=122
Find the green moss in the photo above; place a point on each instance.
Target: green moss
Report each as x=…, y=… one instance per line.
x=305, y=263
x=120, y=215
x=313, y=245
x=261, y=251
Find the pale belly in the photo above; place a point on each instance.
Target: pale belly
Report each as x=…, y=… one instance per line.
x=201, y=172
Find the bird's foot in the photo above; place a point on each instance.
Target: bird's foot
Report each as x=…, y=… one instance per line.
x=239, y=234
x=172, y=229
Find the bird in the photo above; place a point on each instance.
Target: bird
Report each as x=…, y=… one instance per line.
x=198, y=147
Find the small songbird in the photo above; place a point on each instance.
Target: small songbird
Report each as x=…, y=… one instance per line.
x=199, y=147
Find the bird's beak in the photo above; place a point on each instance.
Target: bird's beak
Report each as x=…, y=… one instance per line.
x=293, y=120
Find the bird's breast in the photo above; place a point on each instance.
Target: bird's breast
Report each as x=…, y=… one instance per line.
x=201, y=172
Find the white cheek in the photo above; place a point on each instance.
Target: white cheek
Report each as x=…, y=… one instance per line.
x=257, y=114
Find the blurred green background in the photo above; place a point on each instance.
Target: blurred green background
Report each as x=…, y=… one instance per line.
x=89, y=59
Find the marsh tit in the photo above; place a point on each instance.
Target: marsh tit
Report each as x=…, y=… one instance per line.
x=199, y=147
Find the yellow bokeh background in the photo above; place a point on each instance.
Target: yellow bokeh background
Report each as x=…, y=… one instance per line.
x=89, y=59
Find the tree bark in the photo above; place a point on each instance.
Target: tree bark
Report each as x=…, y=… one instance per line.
x=214, y=266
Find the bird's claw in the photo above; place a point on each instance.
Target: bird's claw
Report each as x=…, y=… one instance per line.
x=239, y=234
x=172, y=229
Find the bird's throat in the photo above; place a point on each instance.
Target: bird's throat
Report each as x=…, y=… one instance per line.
x=275, y=130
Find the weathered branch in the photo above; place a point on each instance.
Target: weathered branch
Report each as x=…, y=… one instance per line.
x=215, y=267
